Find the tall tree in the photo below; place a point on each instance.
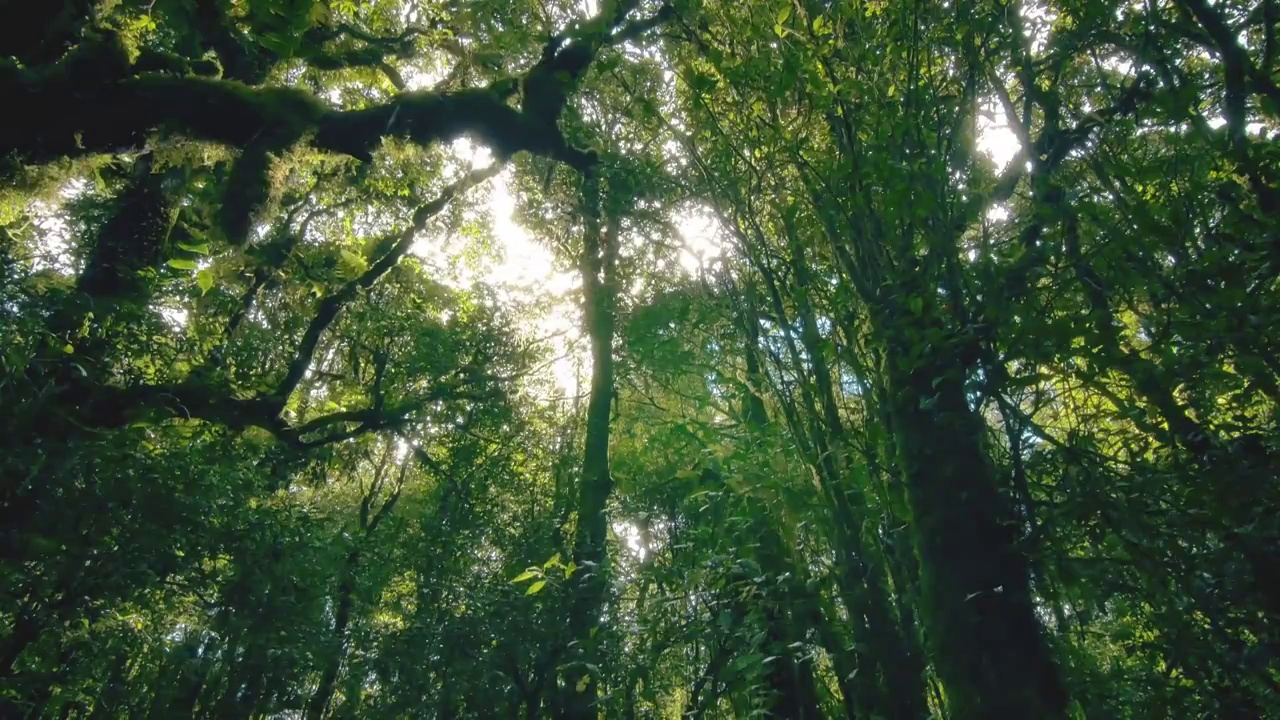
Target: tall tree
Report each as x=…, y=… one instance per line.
x=639, y=358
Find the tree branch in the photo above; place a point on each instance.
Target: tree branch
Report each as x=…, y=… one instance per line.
x=81, y=111
x=331, y=307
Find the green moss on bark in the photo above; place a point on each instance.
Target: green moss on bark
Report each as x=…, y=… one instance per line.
x=976, y=604
x=247, y=194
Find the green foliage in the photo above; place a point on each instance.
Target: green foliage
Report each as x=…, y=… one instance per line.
x=930, y=429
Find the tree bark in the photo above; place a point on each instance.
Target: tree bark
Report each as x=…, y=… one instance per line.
x=581, y=685
x=319, y=702
x=977, y=608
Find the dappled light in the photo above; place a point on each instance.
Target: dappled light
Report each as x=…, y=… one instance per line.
x=639, y=359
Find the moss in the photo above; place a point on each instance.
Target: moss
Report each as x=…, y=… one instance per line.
x=247, y=194
x=178, y=153
x=988, y=647
x=223, y=110
x=135, y=238
x=21, y=185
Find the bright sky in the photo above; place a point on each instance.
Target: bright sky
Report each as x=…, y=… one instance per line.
x=995, y=139
x=523, y=272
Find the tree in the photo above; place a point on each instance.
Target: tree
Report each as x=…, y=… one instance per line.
x=891, y=360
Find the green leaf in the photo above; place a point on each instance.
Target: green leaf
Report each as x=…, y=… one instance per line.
x=279, y=43
x=536, y=588
x=319, y=14
x=527, y=575
x=204, y=279
x=743, y=662
x=182, y=264
x=555, y=560
x=68, y=348
x=200, y=249
x=351, y=265
x=784, y=13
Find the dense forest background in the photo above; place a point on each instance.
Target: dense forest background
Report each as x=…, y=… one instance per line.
x=625, y=359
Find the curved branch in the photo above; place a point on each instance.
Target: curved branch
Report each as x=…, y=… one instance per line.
x=61, y=118
x=81, y=111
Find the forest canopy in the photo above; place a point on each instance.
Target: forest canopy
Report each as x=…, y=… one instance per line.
x=633, y=359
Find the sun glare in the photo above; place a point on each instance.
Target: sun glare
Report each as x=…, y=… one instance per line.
x=522, y=272
x=701, y=240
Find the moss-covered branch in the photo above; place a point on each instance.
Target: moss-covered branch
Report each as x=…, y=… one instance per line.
x=63, y=118
x=82, y=110
x=108, y=407
x=372, y=52
x=248, y=61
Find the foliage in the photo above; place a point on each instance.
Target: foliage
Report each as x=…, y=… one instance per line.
x=898, y=360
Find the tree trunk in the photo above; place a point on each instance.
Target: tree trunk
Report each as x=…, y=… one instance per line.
x=901, y=662
x=318, y=705
x=976, y=601
x=581, y=685
x=793, y=689
x=890, y=678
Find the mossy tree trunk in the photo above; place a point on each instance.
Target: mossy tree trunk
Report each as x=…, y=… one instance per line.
x=976, y=602
x=580, y=691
